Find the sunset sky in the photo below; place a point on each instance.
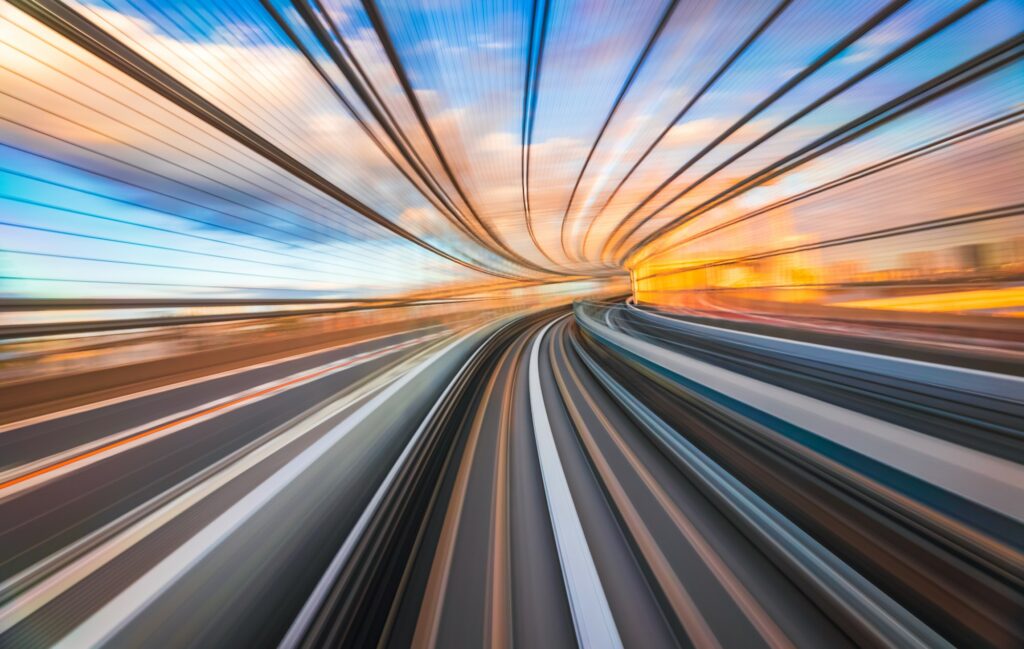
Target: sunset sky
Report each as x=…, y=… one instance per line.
x=108, y=188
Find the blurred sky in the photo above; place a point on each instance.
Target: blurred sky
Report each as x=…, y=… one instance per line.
x=108, y=189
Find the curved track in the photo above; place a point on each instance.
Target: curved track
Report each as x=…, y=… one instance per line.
x=600, y=480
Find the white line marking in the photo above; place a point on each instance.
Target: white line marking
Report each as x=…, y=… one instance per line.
x=800, y=550
x=591, y=615
x=62, y=579
x=181, y=384
x=117, y=613
x=269, y=389
x=726, y=332
x=991, y=481
x=315, y=600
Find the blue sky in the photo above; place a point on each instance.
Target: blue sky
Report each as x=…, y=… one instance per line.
x=107, y=189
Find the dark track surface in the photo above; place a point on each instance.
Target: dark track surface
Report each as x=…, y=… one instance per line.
x=413, y=500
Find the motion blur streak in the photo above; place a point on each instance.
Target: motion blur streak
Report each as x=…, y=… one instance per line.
x=523, y=323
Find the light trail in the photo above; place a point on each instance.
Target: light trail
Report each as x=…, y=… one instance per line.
x=118, y=442
x=315, y=328
x=595, y=626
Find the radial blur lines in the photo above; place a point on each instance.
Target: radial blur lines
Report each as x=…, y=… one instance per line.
x=519, y=323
